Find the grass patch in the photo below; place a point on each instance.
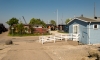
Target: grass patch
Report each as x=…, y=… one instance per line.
x=28, y=34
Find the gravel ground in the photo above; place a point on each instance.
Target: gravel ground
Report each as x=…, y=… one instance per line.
x=28, y=48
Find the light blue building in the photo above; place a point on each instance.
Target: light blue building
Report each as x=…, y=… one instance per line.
x=89, y=29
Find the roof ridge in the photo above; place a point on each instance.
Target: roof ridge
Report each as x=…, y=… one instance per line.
x=85, y=19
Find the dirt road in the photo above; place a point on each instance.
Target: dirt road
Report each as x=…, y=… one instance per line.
x=3, y=37
x=4, y=34
x=33, y=50
x=26, y=51
x=24, y=48
x=29, y=48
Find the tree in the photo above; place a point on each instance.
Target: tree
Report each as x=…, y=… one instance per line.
x=34, y=21
x=52, y=22
x=20, y=28
x=12, y=21
x=67, y=20
x=43, y=24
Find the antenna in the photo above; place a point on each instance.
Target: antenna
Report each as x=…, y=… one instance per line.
x=24, y=20
x=94, y=12
x=94, y=9
x=74, y=16
x=62, y=18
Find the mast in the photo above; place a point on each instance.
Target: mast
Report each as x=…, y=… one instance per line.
x=94, y=9
x=62, y=18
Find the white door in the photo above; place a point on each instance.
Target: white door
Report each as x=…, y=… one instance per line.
x=76, y=32
x=76, y=29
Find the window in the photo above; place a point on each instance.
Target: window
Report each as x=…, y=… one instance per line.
x=95, y=26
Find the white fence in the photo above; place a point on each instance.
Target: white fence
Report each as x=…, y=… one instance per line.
x=74, y=37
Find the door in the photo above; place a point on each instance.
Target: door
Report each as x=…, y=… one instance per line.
x=76, y=28
x=76, y=32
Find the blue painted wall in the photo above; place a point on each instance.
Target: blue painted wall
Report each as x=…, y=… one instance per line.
x=66, y=28
x=94, y=33
x=82, y=30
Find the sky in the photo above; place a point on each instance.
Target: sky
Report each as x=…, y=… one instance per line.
x=46, y=10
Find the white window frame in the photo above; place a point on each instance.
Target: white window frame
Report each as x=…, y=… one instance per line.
x=77, y=29
x=97, y=26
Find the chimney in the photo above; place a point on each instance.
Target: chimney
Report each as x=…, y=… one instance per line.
x=95, y=17
x=94, y=12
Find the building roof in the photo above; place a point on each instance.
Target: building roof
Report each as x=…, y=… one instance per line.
x=49, y=25
x=84, y=19
x=89, y=19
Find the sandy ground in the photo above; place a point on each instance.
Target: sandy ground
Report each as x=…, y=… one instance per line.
x=28, y=48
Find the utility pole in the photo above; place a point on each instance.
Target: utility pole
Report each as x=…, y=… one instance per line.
x=62, y=18
x=57, y=17
x=94, y=9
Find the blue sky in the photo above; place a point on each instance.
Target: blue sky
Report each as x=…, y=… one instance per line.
x=44, y=9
